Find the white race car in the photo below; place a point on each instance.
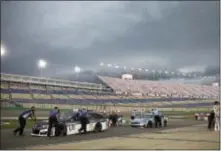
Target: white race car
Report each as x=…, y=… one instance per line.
x=69, y=125
x=147, y=120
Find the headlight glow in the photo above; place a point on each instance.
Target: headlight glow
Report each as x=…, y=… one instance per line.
x=44, y=126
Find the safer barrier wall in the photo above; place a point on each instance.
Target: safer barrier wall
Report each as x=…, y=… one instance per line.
x=121, y=108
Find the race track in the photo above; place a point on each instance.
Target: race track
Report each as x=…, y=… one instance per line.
x=9, y=141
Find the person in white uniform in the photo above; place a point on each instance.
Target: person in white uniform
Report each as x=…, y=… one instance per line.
x=216, y=109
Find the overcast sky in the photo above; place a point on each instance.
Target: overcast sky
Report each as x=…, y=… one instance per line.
x=153, y=35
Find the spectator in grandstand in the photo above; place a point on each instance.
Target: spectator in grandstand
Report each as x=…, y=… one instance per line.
x=216, y=109
x=53, y=120
x=22, y=120
x=211, y=120
x=157, y=118
x=84, y=120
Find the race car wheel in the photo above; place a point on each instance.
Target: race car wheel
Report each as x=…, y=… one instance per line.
x=150, y=124
x=165, y=123
x=64, y=131
x=196, y=117
x=98, y=128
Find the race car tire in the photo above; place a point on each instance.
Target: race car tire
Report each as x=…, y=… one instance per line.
x=149, y=124
x=64, y=131
x=196, y=117
x=98, y=127
x=165, y=123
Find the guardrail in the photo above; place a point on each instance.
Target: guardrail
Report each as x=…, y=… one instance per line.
x=107, y=107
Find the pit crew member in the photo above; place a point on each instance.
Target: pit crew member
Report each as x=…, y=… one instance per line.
x=22, y=120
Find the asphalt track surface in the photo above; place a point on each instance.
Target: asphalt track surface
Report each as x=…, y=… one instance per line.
x=9, y=141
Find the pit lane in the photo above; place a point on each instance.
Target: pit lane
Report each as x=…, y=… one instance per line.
x=9, y=141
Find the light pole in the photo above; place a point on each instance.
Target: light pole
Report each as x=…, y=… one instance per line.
x=77, y=70
x=101, y=64
x=42, y=64
x=3, y=51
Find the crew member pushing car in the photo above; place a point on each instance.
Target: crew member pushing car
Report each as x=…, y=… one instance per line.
x=22, y=120
x=157, y=118
x=133, y=115
x=84, y=120
x=53, y=120
x=114, y=118
x=211, y=120
x=216, y=109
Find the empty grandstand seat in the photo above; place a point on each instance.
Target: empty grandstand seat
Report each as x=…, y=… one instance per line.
x=58, y=96
x=17, y=85
x=53, y=88
x=75, y=96
x=5, y=96
x=38, y=91
x=88, y=97
x=4, y=85
x=57, y=92
x=41, y=96
x=37, y=87
x=5, y=91
x=21, y=96
x=19, y=91
x=162, y=89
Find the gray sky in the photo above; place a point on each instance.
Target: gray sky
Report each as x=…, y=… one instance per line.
x=153, y=35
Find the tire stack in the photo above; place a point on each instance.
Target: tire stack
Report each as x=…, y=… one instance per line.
x=201, y=116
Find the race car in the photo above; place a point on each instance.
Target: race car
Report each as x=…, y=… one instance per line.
x=147, y=120
x=69, y=125
x=201, y=116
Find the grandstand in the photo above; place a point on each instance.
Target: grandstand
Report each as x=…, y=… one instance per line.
x=161, y=89
x=44, y=92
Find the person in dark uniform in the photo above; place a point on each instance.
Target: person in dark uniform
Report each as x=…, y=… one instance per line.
x=77, y=115
x=211, y=120
x=160, y=118
x=157, y=119
x=114, y=119
x=110, y=119
x=53, y=120
x=22, y=120
x=133, y=115
x=84, y=121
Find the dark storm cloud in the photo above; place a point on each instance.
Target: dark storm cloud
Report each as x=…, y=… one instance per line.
x=162, y=35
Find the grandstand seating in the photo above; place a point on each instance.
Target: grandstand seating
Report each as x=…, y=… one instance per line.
x=155, y=88
x=149, y=93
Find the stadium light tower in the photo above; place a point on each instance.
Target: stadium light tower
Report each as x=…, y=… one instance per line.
x=77, y=69
x=101, y=64
x=3, y=51
x=42, y=64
